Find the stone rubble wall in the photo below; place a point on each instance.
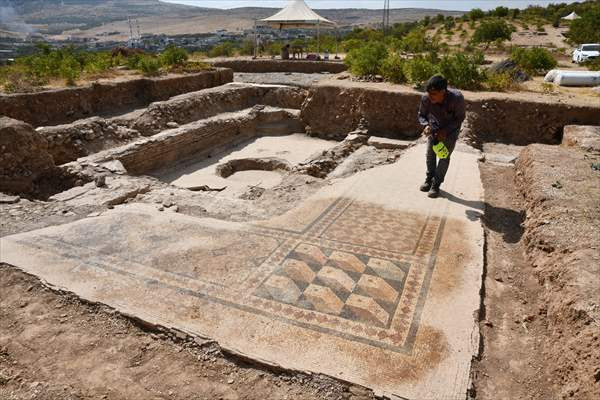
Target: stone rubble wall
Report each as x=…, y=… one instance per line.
x=70, y=141
x=81, y=138
x=26, y=166
x=584, y=137
x=300, y=66
x=197, y=139
x=194, y=106
x=333, y=111
x=62, y=106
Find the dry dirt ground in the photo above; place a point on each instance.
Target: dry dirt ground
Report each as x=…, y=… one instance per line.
x=511, y=365
x=540, y=325
x=54, y=346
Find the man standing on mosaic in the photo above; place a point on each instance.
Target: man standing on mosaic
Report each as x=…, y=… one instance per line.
x=442, y=112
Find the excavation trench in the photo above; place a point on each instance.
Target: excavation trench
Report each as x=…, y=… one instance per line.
x=316, y=232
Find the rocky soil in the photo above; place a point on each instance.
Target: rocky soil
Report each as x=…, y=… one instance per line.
x=561, y=188
x=541, y=319
x=54, y=346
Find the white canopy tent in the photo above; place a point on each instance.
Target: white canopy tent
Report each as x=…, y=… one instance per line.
x=298, y=15
x=571, y=16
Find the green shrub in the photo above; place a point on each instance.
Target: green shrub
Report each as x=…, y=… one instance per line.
x=173, y=55
x=461, y=71
x=548, y=88
x=274, y=48
x=149, y=66
x=351, y=44
x=17, y=79
x=366, y=60
x=587, y=28
x=419, y=69
x=449, y=24
x=100, y=62
x=476, y=13
x=500, y=82
x=534, y=61
x=392, y=68
x=477, y=56
x=132, y=62
x=417, y=41
x=225, y=49
x=70, y=70
x=491, y=30
x=593, y=65
x=500, y=12
x=247, y=48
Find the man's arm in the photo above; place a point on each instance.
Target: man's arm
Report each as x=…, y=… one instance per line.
x=423, y=111
x=458, y=115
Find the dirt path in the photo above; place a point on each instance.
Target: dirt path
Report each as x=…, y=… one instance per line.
x=54, y=346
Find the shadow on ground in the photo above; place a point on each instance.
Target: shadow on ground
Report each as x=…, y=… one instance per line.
x=506, y=221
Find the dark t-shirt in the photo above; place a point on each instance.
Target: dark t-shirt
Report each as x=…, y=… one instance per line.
x=448, y=115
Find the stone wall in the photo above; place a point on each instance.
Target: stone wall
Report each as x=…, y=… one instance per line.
x=198, y=139
x=67, y=142
x=302, y=66
x=332, y=111
x=194, y=106
x=61, y=106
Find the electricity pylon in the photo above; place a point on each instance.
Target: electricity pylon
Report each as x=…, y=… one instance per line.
x=386, y=16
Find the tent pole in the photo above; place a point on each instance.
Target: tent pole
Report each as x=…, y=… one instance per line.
x=318, y=39
x=337, y=41
x=255, y=41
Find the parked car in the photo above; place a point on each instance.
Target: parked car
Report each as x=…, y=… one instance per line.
x=586, y=52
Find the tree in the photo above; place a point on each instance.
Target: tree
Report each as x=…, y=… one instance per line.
x=500, y=12
x=416, y=42
x=367, y=60
x=534, y=61
x=492, y=30
x=587, y=28
x=476, y=13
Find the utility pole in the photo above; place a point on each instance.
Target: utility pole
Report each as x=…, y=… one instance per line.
x=130, y=31
x=386, y=17
x=138, y=35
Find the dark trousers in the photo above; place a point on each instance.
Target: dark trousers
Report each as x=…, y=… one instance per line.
x=436, y=170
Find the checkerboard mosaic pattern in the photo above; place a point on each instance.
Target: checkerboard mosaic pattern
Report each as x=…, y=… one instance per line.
x=358, y=271
x=352, y=286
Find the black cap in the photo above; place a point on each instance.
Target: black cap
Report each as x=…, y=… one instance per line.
x=437, y=83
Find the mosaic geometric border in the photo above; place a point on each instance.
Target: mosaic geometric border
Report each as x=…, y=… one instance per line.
x=397, y=335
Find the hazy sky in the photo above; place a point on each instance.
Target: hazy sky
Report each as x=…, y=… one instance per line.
x=375, y=4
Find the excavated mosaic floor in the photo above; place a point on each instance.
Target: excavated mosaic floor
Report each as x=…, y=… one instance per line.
x=367, y=281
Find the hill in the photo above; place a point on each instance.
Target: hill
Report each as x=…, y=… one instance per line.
x=89, y=17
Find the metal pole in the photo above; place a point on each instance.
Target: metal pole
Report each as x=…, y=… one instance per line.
x=337, y=41
x=386, y=17
x=318, y=38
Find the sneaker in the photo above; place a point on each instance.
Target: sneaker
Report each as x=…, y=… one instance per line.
x=426, y=186
x=434, y=191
